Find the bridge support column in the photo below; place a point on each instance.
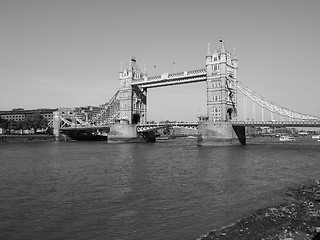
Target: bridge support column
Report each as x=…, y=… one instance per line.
x=56, y=126
x=212, y=133
x=124, y=133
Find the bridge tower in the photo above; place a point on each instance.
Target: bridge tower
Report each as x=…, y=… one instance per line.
x=217, y=130
x=221, y=69
x=133, y=99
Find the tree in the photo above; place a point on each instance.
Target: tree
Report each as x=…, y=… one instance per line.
x=12, y=125
x=21, y=125
x=35, y=121
x=4, y=123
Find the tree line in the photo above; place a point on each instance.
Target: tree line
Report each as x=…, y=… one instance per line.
x=31, y=122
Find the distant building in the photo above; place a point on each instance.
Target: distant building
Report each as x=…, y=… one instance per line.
x=184, y=131
x=19, y=114
x=264, y=130
x=86, y=113
x=96, y=114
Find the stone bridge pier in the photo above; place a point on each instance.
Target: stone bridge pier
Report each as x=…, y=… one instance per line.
x=220, y=134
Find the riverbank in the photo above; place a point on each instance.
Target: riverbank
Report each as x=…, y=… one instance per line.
x=26, y=138
x=298, y=218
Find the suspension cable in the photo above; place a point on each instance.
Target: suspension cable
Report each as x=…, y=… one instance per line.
x=266, y=104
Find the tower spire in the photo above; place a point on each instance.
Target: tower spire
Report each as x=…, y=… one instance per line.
x=208, y=52
x=223, y=50
x=133, y=58
x=234, y=52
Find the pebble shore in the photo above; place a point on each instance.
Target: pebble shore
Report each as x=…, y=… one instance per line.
x=298, y=218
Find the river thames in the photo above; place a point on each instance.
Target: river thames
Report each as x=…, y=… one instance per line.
x=167, y=190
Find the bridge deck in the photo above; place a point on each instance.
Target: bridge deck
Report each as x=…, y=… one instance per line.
x=144, y=127
x=85, y=128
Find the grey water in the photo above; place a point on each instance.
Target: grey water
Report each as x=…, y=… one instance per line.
x=167, y=190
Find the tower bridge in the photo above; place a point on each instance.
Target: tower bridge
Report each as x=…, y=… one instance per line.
x=220, y=74
x=125, y=114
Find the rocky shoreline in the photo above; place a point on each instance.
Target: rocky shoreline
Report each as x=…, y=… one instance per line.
x=298, y=218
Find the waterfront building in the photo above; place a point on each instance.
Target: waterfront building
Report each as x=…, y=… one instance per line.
x=20, y=114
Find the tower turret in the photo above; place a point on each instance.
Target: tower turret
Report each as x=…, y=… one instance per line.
x=222, y=48
x=144, y=74
x=209, y=56
x=234, y=62
x=223, y=58
x=209, y=61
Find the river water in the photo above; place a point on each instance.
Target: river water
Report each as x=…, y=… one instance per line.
x=166, y=190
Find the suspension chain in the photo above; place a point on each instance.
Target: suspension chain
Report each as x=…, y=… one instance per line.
x=266, y=104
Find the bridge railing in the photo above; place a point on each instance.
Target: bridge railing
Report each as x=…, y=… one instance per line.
x=176, y=75
x=155, y=126
x=313, y=123
x=170, y=124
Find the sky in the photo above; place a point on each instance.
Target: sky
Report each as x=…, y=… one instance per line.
x=68, y=53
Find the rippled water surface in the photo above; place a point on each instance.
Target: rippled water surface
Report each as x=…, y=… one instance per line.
x=166, y=190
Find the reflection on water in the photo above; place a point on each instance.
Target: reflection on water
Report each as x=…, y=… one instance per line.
x=167, y=190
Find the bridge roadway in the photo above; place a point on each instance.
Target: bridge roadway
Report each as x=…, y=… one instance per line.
x=146, y=127
x=143, y=128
